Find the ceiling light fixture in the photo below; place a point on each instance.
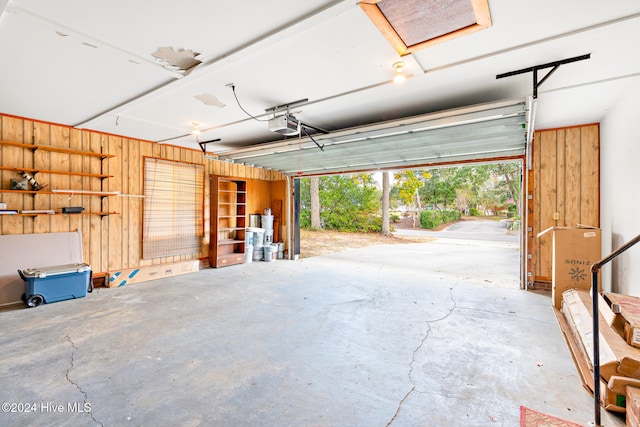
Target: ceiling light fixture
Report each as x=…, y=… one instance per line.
x=400, y=77
x=195, y=130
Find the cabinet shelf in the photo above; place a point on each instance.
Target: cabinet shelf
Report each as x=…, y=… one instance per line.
x=35, y=147
x=228, y=216
x=34, y=171
x=230, y=242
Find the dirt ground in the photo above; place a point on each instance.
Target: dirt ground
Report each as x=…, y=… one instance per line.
x=314, y=243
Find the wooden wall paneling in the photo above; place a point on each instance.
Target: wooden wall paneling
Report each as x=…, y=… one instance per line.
x=42, y=160
x=146, y=150
x=28, y=202
x=590, y=175
x=572, y=177
x=574, y=180
x=114, y=203
x=59, y=136
x=75, y=165
x=131, y=204
x=12, y=130
x=547, y=185
x=109, y=242
x=87, y=236
x=103, y=223
x=561, y=165
x=95, y=223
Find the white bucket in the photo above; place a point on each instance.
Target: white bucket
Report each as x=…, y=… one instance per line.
x=280, y=250
x=270, y=252
x=258, y=236
x=257, y=253
x=248, y=253
x=268, y=237
x=267, y=222
x=248, y=237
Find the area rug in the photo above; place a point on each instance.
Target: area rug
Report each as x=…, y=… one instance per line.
x=531, y=418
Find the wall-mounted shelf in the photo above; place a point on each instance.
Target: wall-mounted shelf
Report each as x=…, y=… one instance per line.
x=64, y=192
x=69, y=214
x=35, y=147
x=34, y=171
x=48, y=191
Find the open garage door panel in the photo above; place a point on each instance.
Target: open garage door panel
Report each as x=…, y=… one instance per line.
x=481, y=132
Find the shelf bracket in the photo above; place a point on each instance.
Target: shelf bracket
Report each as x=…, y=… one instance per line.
x=553, y=65
x=203, y=144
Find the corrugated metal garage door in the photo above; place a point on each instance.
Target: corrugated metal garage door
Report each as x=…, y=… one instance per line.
x=486, y=131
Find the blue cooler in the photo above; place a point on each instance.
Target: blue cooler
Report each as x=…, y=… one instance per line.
x=56, y=283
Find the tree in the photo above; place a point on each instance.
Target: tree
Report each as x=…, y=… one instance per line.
x=315, y=203
x=386, y=229
x=409, y=182
x=509, y=176
x=347, y=203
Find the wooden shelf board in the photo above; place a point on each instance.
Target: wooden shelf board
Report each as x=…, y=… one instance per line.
x=229, y=242
x=32, y=170
x=55, y=149
x=60, y=213
x=63, y=193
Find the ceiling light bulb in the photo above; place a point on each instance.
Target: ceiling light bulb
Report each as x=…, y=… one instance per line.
x=399, y=67
x=399, y=78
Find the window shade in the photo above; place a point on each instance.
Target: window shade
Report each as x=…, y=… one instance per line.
x=173, y=208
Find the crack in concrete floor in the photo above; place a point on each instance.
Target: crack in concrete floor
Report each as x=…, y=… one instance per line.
x=70, y=381
x=413, y=357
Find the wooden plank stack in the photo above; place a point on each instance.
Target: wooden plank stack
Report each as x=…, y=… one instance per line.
x=619, y=360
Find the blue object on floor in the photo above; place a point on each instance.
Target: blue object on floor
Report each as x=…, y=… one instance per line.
x=56, y=283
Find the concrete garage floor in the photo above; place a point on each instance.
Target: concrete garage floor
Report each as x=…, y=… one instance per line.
x=433, y=334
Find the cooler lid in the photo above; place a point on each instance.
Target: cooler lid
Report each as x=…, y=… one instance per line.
x=53, y=270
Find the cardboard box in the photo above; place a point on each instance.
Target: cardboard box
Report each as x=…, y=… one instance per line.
x=633, y=405
x=575, y=250
x=628, y=321
x=152, y=272
x=614, y=393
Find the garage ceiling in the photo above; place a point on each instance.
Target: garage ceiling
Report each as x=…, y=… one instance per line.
x=106, y=66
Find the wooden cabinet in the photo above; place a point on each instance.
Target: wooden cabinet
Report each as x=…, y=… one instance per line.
x=228, y=221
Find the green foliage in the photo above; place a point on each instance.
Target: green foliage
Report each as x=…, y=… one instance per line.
x=433, y=218
x=408, y=183
x=347, y=203
x=475, y=212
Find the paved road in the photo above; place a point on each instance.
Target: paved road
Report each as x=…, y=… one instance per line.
x=469, y=230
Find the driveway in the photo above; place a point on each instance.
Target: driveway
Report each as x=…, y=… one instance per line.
x=480, y=229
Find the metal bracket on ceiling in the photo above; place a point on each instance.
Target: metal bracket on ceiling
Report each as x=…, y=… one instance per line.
x=203, y=144
x=286, y=107
x=553, y=65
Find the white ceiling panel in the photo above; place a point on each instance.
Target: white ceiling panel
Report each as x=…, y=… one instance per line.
x=281, y=51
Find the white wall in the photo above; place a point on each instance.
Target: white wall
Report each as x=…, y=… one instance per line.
x=620, y=190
